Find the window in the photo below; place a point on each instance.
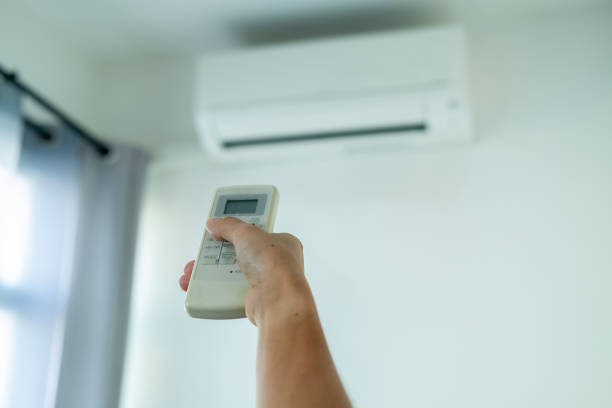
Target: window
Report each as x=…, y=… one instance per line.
x=37, y=218
x=14, y=228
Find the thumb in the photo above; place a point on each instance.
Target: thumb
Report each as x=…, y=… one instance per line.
x=224, y=228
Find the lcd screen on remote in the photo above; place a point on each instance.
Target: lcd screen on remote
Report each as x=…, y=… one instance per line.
x=240, y=207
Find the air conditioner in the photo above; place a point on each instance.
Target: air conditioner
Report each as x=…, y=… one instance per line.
x=390, y=90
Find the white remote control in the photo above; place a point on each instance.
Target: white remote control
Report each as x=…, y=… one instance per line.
x=217, y=288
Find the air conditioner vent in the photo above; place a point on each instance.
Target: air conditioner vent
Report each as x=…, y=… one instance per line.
x=411, y=128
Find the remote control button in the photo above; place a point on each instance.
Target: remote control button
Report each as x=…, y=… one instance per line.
x=209, y=259
x=228, y=247
x=212, y=246
x=254, y=221
x=211, y=252
x=228, y=254
x=210, y=238
x=227, y=259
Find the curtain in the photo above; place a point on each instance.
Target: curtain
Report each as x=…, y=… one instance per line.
x=64, y=302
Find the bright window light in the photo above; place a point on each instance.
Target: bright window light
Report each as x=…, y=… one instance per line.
x=7, y=336
x=15, y=205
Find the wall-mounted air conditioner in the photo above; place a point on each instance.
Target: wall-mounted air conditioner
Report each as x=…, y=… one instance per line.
x=390, y=90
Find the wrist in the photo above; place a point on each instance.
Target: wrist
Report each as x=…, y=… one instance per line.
x=292, y=304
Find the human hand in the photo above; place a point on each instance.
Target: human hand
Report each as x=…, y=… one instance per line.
x=273, y=265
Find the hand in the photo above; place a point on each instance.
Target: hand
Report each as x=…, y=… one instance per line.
x=294, y=366
x=273, y=265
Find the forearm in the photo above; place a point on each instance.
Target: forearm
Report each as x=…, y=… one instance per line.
x=294, y=365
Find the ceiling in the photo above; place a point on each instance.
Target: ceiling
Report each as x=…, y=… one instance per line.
x=111, y=28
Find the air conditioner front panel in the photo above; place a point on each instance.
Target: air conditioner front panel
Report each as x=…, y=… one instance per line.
x=284, y=119
x=345, y=64
x=367, y=92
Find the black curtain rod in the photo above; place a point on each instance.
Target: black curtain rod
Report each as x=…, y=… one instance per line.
x=102, y=148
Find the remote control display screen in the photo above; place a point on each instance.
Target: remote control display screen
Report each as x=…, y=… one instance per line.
x=240, y=207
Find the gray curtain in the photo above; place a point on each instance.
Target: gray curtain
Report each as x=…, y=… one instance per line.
x=71, y=302
x=94, y=340
x=10, y=126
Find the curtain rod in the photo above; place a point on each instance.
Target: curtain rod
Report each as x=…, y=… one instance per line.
x=102, y=148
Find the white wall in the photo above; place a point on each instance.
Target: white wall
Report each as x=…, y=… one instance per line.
x=472, y=277
x=49, y=62
x=148, y=102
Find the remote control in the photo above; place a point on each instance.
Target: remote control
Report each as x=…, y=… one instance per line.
x=217, y=288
